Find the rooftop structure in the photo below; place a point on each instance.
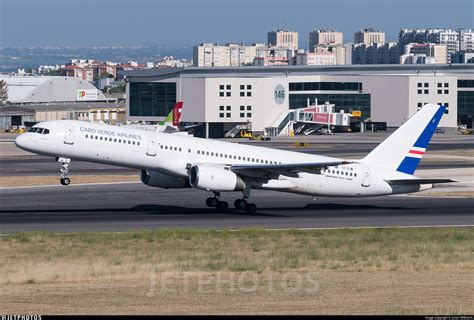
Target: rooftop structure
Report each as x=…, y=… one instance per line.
x=27, y=90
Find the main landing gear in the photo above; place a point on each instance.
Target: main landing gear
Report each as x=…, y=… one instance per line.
x=214, y=202
x=65, y=180
x=244, y=205
x=240, y=204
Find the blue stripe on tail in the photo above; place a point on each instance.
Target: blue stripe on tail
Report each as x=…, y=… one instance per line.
x=409, y=164
x=426, y=135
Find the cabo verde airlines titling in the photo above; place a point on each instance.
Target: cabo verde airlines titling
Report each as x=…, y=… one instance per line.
x=176, y=161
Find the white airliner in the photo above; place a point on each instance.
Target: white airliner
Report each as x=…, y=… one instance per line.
x=174, y=161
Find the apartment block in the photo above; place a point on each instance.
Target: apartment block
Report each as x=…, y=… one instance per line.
x=369, y=36
x=315, y=58
x=376, y=53
x=283, y=38
x=338, y=50
x=436, y=51
x=455, y=40
x=229, y=55
x=324, y=37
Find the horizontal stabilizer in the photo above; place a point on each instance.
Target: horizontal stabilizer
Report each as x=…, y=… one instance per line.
x=419, y=181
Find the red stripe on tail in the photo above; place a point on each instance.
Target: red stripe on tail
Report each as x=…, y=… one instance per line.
x=177, y=113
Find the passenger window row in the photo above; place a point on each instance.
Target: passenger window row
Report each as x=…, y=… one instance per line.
x=339, y=172
x=235, y=157
x=170, y=148
x=110, y=139
x=220, y=155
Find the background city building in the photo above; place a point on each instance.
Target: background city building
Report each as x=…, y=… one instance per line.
x=338, y=50
x=274, y=56
x=455, y=40
x=463, y=57
x=324, y=37
x=375, y=53
x=424, y=53
x=283, y=38
x=315, y=58
x=369, y=36
x=229, y=55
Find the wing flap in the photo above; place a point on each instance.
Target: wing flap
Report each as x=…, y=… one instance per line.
x=288, y=169
x=419, y=181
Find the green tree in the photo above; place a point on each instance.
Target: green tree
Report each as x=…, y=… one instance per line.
x=117, y=89
x=3, y=92
x=52, y=73
x=106, y=75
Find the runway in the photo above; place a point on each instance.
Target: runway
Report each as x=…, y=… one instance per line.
x=133, y=206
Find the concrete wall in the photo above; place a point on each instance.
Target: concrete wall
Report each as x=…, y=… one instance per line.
x=264, y=107
x=389, y=98
x=190, y=91
x=448, y=120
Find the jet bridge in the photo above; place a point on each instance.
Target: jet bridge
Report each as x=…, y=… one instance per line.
x=308, y=120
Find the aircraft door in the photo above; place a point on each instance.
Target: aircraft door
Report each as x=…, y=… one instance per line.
x=151, y=151
x=365, y=177
x=69, y=137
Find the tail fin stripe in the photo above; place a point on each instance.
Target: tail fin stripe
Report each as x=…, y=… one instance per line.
x=426, y=135
x=411, y=161
x=416, y=152
x=409, y=165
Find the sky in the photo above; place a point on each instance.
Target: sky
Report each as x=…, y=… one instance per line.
x=86, y=23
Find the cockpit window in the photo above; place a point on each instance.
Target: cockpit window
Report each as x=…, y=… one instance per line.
x=39, y=130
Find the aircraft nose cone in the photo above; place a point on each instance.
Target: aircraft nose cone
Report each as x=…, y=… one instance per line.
x=21, y=141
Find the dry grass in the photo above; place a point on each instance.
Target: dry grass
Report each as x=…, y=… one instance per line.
x=15, y=181
x=413, y=270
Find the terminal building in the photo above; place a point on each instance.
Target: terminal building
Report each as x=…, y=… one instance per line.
x=262, y=97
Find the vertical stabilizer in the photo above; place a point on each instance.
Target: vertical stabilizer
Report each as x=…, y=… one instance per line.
x=403, y=150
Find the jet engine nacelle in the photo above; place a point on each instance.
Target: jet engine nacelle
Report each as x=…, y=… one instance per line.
x=161, y=180
x=214, y=178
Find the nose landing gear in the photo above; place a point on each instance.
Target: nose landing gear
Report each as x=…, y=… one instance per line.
x=65, y=180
